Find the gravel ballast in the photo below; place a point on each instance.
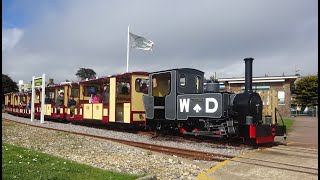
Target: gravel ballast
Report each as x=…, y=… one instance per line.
x=109, y=155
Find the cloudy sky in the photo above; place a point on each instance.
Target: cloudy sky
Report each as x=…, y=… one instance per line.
x=58, y=37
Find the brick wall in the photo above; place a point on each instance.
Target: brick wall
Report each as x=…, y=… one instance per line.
x=277, y=86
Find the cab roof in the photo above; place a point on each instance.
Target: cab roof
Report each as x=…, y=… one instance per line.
x=178, y=69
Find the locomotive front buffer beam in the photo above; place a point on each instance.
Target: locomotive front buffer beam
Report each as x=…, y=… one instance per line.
x=261, y=133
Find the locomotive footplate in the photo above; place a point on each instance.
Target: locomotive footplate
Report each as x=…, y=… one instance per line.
x=262, y=133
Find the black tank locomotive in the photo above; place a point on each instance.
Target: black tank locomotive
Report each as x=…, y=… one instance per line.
x=176, y=100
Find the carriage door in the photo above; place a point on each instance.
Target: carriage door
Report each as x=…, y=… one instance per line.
x=119, y=104
x=123, y=100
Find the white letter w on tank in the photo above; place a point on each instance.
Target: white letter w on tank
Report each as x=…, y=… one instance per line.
x=184, y=104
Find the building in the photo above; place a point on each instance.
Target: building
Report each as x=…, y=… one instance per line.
x=275, y=91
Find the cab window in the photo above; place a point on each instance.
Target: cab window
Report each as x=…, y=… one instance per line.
x=199, y=83
x=161, y=84
x=182, y=80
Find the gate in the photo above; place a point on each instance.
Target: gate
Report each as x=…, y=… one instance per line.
x=311, y=111
x=270, y=102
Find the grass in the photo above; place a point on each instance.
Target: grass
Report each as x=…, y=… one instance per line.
x=288, y=123
x=22, y=163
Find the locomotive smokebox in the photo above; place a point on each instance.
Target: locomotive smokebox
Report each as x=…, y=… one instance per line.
x=248, y=103
x=248, y=74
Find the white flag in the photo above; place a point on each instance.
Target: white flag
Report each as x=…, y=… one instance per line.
x=141, y=42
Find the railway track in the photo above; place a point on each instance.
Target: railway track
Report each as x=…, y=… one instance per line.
x=190, y=154
x=235, y=143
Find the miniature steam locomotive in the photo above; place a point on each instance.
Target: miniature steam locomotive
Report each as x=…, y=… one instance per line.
x=177, y=100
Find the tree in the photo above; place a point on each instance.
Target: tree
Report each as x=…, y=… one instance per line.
x=84, y=73
x=213, y=78
x=8, y=85
x=307, y=91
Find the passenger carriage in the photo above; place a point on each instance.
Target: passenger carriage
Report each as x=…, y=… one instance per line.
x=8, y=102
x=81, y=93
x=18, y=108
x=52, y=93
x=15, y=103
x=23, y=99
x=120, y=99
x=120, y=102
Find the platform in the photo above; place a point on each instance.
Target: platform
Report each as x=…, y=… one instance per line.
x=296, y=160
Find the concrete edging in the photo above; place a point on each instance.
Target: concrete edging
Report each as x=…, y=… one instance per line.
x=203, y=174
x=148, y=177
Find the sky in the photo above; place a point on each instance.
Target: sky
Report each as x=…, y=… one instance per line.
x=59, y=37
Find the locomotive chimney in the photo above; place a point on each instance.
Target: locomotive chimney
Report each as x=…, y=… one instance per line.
x=248, y=74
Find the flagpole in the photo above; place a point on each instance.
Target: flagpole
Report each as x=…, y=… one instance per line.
x=128, y=49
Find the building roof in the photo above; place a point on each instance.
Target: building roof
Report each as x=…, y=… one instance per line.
x=235, y=80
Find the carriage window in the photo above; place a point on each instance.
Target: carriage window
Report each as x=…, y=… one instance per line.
x=123, y=88
x=142, y=85
x=48, y=97
x=198, y=83
x=182, y=80
x=88, y=90
x=59, y=91
x=106, y=89
x=51, y=95
x=75, y=92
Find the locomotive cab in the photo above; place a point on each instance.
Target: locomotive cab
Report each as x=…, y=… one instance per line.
x=165, y=86
x=177, y=101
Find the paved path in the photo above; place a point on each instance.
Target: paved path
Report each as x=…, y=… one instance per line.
x=304, y=132
x=298, y=160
